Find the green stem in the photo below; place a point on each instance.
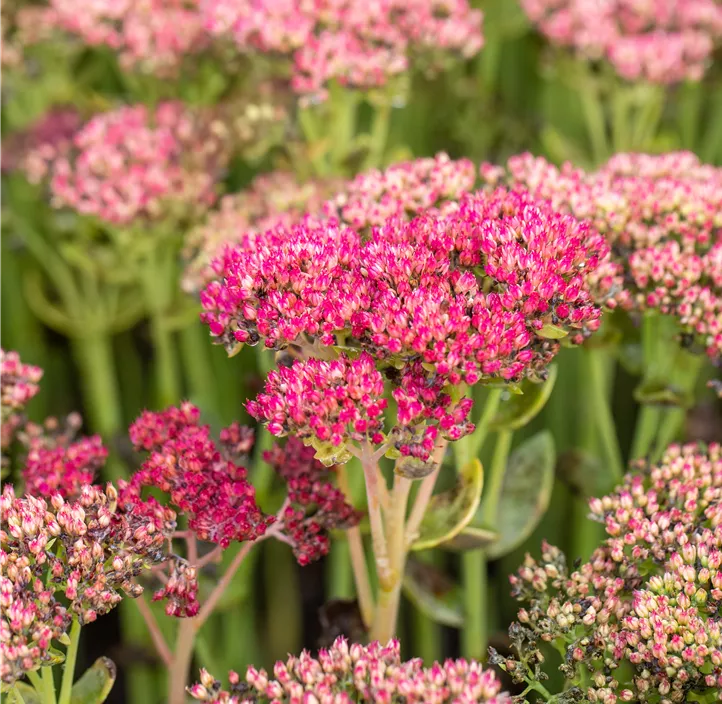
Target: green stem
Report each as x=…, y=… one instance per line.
x=71, y=655
x=35, y=680
x=645, y=431
x=48, y=685
x=470, y=446
x=379, y=135
x=475, y=634
x=165, y=362
x=594, y=118
x=602, y=413
x=195, y=352
x=17, y=696
x=426, y=632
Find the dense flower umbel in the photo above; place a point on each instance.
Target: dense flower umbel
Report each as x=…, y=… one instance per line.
x=86, y=551
x=210, y=489
x=643, y=615
x=134, y=164
x=181, y=590
x=18, y=384
x=346, y=674
x=661, y=215
x=402, y=190
x=315, y=505
x=661, y=41
x=152, y=36
x=476, y=294
x=351, y=41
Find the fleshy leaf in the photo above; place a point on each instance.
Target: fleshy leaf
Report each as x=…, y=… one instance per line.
x=95, y=684
x=28, y=693
x=55, y=658
x=434, y=593
x=525, y=493
x=519, y=410
x=451, y=511
x=583, y=473
x=552, y=332
x=473, y=537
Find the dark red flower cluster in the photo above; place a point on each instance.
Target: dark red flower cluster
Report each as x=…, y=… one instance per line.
x=211, y=490
x=315, y=505
x=181, y=590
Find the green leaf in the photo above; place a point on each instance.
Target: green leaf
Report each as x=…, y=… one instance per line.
x=56, y=657
x=552, y=332
x=525, y=493
x=663, y=392
x=450, y=511
x=95, y=684
x=27, y=692
x=434, y=593
x=519, y=410
x=473, y=537
x=583, y=473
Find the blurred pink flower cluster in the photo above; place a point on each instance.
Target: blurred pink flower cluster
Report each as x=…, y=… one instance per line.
x=483, y=292
x=345, y=674
x=357, y=43
x=153, y=36
x=642, y=617
x=18, y=384
x=135, y=164
x=662, y=41
x=663, y=218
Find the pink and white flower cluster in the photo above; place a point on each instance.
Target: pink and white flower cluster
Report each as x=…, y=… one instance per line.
x=356, y=43
x=135, y=164
x=153, y=36
x=641, y=619
x=349, y=673
x=480, y=293
x=663, y=218
x=662, y=41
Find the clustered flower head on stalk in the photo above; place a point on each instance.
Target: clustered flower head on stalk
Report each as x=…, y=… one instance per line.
x=152, y=36
x=402, y=190
x=658, y=41
x=478, y=294
x=641, y=620
x=64, y=560
x=135, y=164
x=18, y=384
x=662, y=217
x=211, y=490
x=314, y=505
x=349, y=673
x=358, y=44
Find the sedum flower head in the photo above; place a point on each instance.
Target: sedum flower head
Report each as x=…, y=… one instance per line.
x=314, y=506
x=348, y=41
x=63, y=560
x=151, y=36
x=18, y=384
x=201, y=482
x=345, y=674
x=661, y=216
x=660, y=41
x=134, y=164
x=641, y=619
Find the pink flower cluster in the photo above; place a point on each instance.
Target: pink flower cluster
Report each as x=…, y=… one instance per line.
x=662, y=41
x=661, y=215
x=650, y=597
x=18, y=384
x=353, y=42
x=211, y=490
x=181, y=590
x=85, y=552
x=153, y=36
x=482, y=292
x=314, y=505
x=64, y=469
x=405, y=189
x=346, y=674
x=133, y=164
